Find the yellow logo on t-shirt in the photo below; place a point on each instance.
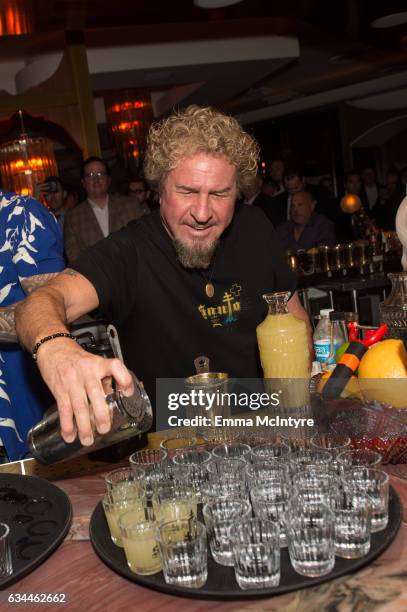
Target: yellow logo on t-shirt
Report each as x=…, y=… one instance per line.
x=226, y=312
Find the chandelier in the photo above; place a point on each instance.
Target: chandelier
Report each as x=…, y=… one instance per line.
x=26, y=161
x=16, y=17
x=129, y=115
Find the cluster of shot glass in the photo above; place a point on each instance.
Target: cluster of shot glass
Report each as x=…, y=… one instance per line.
x=258, y=497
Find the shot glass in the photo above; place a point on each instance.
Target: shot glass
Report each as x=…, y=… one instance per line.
x=359, y=457
x=270, y=502
x=310, y=530
x=153, y=461
x=232, y=450
x=179, y=473
x=295, y=442
x=220, y=517
x=320, y=487
x=375, y=484
x=352, y=524
x=256, y=554
x=148, y=459
x=125, y=482
x=114, y=508
x=183, y=552
x=262, y=471
x=197, y=461
x=6, y=563
x=172, y=501
x=138, y=535
x=301, y=458
x=213, y=436
x=218, y=488
x=174, y=445
x=226, y=469
x=263, y=452
x=335, y=444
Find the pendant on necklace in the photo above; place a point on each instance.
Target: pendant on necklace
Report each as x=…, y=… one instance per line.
x=209, y=290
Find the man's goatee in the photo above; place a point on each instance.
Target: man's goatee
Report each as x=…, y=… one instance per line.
x=197, y=255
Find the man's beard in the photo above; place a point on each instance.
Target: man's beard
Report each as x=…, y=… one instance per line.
x=196, y=255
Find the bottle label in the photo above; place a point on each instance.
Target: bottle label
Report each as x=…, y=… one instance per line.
x=321, y=348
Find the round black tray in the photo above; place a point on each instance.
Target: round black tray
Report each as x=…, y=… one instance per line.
x=221, y=583
x=39, y=516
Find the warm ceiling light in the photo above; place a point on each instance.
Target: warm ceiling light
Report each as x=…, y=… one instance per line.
x=214, y=4
x=26, y=161
x=15, y=18
x=129, y=115
x=390, y=21
x=350, y=203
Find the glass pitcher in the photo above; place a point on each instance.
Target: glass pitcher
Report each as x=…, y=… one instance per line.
x=284, y=351
x=393, y=311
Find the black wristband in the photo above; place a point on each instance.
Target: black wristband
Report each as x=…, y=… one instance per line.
x=51, y=337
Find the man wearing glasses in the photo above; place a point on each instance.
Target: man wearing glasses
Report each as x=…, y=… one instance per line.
x=100, y=214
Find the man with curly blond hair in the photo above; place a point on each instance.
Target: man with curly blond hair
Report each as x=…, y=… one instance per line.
x=184, y=281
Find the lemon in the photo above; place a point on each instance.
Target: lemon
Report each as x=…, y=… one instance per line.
x=383, y=373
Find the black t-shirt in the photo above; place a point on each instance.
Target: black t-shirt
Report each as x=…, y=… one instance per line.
x=163, y=315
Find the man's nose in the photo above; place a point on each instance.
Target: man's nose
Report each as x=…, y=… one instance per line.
x=201, y=210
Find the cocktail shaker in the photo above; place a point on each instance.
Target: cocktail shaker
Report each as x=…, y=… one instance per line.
x=129, y=417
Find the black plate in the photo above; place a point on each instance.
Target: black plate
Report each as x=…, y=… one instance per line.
x=221, y=583
x=39, y=516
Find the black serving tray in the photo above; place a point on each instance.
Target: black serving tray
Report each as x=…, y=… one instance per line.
x=39, y=515
x=221, y=583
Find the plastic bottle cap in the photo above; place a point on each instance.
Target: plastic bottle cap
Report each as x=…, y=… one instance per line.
x=325, y=312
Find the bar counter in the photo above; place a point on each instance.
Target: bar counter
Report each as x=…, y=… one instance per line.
x=90, y=586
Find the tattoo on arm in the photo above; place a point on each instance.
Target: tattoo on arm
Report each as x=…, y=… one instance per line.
x=7, y=328
x=31, y=283
x=70, y=272
x=7, y=325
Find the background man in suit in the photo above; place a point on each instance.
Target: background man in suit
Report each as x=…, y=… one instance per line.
x=370, y=189
x=295, y=181
x=100, y=214
x=305, y=229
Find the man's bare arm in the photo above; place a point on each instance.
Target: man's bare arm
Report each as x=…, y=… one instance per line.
x=7, y=323
x=52, y=307
x=297, y=309
x=73, y=375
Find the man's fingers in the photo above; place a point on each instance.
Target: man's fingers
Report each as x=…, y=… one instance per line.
x=100, y=409
x=122, y=377
x=80, y=407
x=79, y=391
x=68, y=430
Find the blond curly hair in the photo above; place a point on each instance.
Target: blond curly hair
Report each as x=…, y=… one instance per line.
x=194, y=130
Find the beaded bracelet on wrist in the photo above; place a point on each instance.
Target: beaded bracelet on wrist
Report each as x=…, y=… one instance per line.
x=51, y=337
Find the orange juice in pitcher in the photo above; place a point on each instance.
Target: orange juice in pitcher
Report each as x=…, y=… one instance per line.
x=284, y=351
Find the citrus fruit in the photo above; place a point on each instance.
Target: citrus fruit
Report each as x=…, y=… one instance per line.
x=383, y=373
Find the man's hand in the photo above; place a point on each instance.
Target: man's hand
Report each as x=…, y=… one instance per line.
x=74, y=377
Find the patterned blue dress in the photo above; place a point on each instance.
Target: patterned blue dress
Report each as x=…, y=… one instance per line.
x=30, y=244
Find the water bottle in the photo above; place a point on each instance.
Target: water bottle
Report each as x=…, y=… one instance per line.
x=338, y=336
x=322, y=336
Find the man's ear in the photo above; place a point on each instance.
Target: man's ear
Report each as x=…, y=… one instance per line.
x=313, y=204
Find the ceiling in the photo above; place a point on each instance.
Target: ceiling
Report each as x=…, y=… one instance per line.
x=255, y=59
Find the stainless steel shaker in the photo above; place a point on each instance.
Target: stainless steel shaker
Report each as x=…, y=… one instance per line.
x=130, y=416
